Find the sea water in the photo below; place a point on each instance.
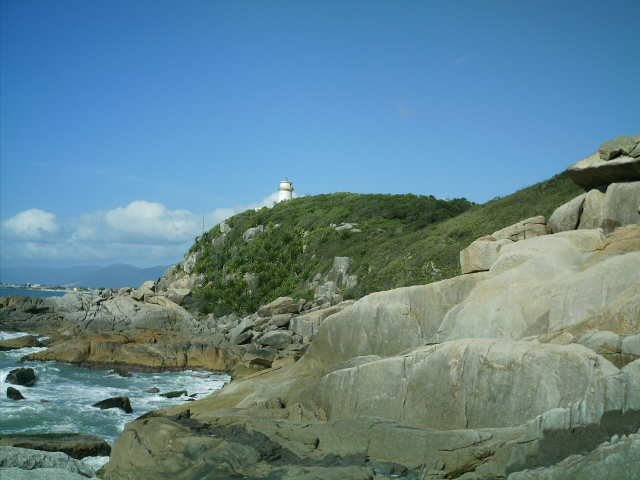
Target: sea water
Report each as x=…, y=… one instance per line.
x=62, y=398
x=29, y=292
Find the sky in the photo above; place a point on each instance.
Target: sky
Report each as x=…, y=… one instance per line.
x=124, y=123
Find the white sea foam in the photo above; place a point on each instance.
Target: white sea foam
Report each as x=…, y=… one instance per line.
x=62, y=398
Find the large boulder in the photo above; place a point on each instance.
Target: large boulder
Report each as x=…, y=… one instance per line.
x=481, y=254
x=567, y=216
x=522, y=230
x=276, y=338
x=621, y=205
x=623, y=145
x=278, y=306
x=592, y=215
x=593, y=172
x=22, y=376
x=252, y=233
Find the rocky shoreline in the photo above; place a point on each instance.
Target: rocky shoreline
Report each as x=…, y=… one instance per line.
x=526, y=366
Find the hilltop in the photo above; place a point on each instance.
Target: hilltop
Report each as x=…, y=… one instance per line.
x=381, y=241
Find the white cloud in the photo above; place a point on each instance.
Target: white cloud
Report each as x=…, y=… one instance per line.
x=140, y=232
x=31, y=224
x=147, y=220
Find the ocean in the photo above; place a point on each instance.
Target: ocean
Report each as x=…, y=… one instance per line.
x=62, y=398
x=28, y=292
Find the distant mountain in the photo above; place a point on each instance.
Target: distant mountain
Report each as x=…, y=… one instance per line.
x=112, y=276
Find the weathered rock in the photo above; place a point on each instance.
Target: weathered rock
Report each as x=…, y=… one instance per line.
x=594, y=172
x=567, y=216
x=32, y=461
x=281, y=320
x=307, y=325
x=251, y=233
x=593, y=210
x=147, y=350
x=22, y=376
x=147, y=289
x=529, y=228
x=279, y=306
x=178, y=295
x=276, y=338
x=612, y=460
x=621, y=205
x=14, y=394
x=481, y=254
x=174, y=394
x=602, y=342
x=152, y=390
x=122, y=403
x=617, y=147
x=468, y=384
x=240, y=333
x=19, y=342
x=631, y=345
x=75, y=445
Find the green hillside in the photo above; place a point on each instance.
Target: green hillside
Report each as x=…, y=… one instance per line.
x=403, y=240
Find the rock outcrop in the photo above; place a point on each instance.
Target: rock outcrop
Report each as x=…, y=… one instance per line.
x=619, y=205
x=482, y=253
x=20, y=342
x=25, y=463
x=479, y=376
x=616, y=161
x=73, y=444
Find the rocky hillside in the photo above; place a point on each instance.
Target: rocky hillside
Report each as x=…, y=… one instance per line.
x=329, y=248
x=527, y=366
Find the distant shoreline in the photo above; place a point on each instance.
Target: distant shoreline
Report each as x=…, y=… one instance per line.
x=7, y=290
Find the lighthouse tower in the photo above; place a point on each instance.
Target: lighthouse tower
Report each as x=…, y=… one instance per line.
x=286, y=190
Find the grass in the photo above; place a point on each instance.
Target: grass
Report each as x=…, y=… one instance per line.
x=404, y=240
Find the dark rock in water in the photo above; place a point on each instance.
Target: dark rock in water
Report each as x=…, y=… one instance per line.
x=44, y=400
x=19, y=342
x=14, y=394
x=115, y=402
x=75, y=445
x=174, y=394
x=22, y=376
x=153, y=390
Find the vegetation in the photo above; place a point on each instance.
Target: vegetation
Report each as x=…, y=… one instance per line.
x=402, y=240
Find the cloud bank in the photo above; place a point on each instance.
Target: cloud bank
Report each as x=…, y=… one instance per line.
x=142, y=233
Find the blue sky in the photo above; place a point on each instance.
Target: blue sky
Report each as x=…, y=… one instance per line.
x=122, y=123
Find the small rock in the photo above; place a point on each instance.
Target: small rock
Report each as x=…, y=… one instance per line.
x=153, y=390
x=22, y=376
x=122, y=403
x=14, y=394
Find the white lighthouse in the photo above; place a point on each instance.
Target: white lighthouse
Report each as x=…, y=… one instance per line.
x=286, y=190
